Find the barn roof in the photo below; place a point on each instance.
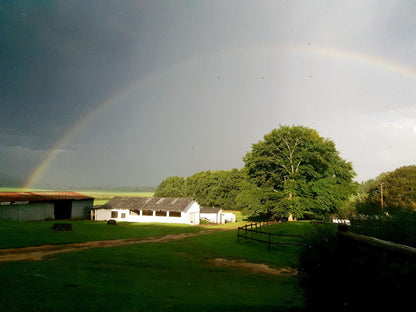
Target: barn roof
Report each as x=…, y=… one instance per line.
x=40, y=196
x=210, y=210
x=149, y=203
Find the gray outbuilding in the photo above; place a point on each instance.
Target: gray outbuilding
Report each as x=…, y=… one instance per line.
x=37, y=206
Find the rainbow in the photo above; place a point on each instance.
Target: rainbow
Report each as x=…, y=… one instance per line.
x=365, y=59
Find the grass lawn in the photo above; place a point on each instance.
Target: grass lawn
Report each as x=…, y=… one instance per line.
x=22, y=234
x=171, y=276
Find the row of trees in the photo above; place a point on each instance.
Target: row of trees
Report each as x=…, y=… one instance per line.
x=291, y=172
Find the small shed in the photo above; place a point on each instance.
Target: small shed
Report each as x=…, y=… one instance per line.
x=37, y=206
x=149, y=209
x=216, y=215
x=212, y=215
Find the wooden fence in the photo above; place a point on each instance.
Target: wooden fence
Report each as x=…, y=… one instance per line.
x=380, y=244
x=249, y=230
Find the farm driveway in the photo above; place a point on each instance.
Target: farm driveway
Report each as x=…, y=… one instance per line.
x=37, y=253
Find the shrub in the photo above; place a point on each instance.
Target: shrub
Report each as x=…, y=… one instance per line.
x=340, y=275
x=399, y=228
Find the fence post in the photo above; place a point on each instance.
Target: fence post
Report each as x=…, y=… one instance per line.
x=238, y=234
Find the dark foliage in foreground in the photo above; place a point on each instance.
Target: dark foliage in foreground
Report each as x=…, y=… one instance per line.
x=340, y=275
x=399, y=228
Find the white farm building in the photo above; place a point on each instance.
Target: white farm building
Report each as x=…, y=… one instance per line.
x=149, y=209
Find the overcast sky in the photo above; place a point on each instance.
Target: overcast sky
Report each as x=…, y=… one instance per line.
x=127, y=93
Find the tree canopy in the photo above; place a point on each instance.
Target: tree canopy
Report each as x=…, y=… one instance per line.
x=294, y=170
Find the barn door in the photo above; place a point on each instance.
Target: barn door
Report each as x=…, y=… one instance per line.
x=63, y=209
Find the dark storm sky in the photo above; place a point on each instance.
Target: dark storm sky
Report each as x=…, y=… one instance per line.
x=130, y=92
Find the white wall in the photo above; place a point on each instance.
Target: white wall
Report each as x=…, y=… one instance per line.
x=192, y=213
x=212, y=217
x=101, y=214
x=229, y=216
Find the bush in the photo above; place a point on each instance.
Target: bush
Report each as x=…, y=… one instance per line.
x=399, y=228
x=340, y=275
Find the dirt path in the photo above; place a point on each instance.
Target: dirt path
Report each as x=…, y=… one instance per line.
x=242, y=264
x=37, y=253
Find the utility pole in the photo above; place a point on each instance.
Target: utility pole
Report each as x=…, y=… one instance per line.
x=381, y=195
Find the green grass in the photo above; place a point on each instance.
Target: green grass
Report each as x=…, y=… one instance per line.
x=173, y=276
x=22, y=234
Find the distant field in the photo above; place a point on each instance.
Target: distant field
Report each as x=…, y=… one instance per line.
x=20, y=189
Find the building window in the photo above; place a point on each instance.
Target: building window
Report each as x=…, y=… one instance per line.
x=114, y=214
x=161, y=213
x=123, y=215
x=147, y=213
x=175, y=214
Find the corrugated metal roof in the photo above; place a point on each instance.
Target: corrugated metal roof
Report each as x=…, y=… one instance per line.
x=210, y=210
x=41, y=196
x=149, y=203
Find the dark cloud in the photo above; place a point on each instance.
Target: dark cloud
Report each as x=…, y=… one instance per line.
x=59, y=60
x=200, y=82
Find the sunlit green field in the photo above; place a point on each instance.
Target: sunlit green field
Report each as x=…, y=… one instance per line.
x=171, y=276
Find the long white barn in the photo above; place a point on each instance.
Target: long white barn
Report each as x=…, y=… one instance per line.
x=149, y=209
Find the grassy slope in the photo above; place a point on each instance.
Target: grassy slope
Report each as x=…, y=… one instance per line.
x=174, y=276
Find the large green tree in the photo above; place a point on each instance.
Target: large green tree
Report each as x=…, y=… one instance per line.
x=295, y=170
